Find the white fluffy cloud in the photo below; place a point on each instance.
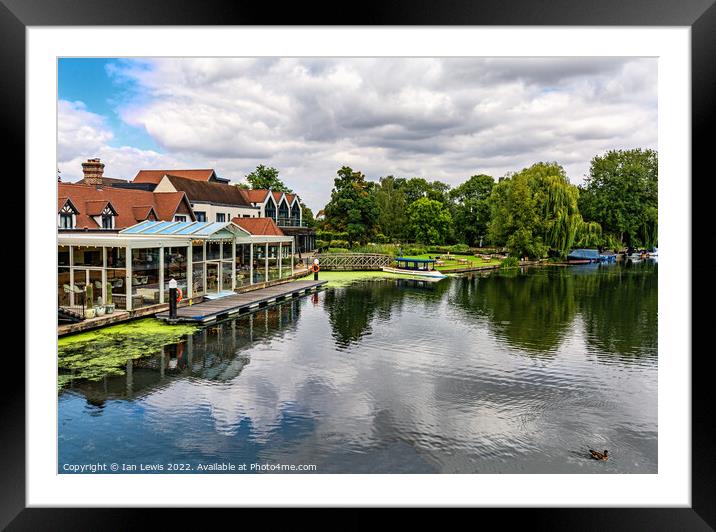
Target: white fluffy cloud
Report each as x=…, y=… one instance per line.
x=442, y=119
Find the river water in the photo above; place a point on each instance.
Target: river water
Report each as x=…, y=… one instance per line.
x=506, y=372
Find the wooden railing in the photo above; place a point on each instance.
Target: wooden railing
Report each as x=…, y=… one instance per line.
x=353, y=261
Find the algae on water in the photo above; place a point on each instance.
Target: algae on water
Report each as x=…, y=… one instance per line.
x=95, y=354
x=337, y=279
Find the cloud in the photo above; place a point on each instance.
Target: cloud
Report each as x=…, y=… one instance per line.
x=440, y=118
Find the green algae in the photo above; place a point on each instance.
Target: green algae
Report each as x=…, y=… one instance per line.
x=340, y=279
x=103, y=352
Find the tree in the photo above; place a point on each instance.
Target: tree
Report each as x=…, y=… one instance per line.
x=471, y=208
x=535, y=212
x=621, y=195
x=352, y=208
x=307, y=215
x=267, y=177
x=417, y=187
x=392, y=215
x=429, y=221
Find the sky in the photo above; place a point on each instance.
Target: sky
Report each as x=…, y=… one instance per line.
x=437, y=118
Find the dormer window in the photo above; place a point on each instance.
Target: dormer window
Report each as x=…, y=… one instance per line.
x=65, y=220
x=67, y=216
x=107, y=218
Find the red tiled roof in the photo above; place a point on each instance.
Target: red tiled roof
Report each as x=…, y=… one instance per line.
x=290, y=198
x=142, y=212
x=95, y=207
x=259, y=226
x=254, y=196
x=276, y=196
x=123, y=201
x=155, y=176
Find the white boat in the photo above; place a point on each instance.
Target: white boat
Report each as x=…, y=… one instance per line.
x=415, y=268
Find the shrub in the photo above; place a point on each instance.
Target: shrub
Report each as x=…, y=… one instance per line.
x=459, y=248
x=510, y=262
x=339, y=244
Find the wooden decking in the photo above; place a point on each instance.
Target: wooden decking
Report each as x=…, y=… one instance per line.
x=216, y=309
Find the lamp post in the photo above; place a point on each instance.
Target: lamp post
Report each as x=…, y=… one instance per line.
x=172, y=299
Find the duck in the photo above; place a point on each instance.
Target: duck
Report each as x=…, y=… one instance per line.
x=598, y=455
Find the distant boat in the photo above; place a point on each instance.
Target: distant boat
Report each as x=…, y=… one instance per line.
x=583, y=256
x=587, y=256
x=415, y=268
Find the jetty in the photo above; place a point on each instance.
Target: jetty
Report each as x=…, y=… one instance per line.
x=211, y=310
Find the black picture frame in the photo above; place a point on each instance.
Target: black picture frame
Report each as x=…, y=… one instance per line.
x=699, y=15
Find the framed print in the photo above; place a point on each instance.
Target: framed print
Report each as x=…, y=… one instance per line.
x=408, y=257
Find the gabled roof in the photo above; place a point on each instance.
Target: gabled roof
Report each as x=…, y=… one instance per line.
x=155, y=176
x=290, y=198
x=61, y=201
x=96, y=207
x=259, y=226
x=88, y=199
x=142, y=212
x=254, y=196
x=217, y=193
x=277, y=196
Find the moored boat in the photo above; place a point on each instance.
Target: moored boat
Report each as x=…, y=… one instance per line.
x=415, y=267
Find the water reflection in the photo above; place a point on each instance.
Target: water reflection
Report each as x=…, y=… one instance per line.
x=215, y=353
x=398, y=377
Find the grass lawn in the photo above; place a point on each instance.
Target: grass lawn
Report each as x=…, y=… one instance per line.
x=454, y=261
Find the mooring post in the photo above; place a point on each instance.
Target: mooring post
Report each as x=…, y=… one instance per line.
x=172, y=299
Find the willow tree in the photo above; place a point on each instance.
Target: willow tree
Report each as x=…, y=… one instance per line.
x=536, y=212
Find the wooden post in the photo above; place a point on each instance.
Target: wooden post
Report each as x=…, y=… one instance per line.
x=280, y=258
x=266, y=262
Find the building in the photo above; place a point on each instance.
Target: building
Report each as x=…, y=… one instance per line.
x=211, y=201
x=95, y=203
x=286, y=210
x=136, y=264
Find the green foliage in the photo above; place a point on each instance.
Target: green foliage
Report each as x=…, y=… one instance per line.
x=509, y=262
x=353, y=208
x=429, y=221
x=307, y=215
x=621, y=195
x=95, y=354
x=535, y=212
x=471, y=208
x=267, y=177
x=339, y=244
x=392, y=205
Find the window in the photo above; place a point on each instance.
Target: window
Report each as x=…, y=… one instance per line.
x=220, y=217
x=200, y=216
x=65, y=221
x=180, y=218
x=106, y=221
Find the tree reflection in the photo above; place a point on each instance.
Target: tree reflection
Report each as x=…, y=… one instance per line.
x=352, y=309
x=620, y=307
x=528, y=310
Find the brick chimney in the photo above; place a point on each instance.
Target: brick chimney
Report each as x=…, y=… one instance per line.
x=93, y=170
